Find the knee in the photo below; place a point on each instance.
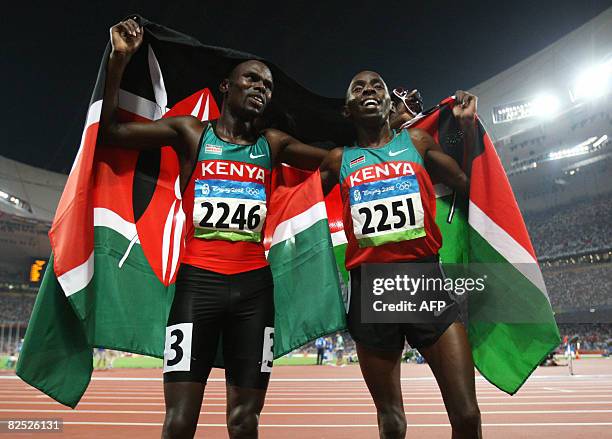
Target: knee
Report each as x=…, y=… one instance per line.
x=242, y=423
x=392, y=423
x=179, y=425
x=467, y=418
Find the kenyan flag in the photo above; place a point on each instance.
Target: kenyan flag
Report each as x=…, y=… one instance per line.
x=511, y=326
x=117, y=238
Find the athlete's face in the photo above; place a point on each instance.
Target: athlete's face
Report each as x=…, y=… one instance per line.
x=367, y=98
x=248, y=89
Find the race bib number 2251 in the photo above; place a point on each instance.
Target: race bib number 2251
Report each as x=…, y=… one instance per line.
x=386, y=211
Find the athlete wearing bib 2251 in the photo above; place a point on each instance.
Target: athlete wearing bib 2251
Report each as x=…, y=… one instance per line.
x=389, y=210
x=224, y=286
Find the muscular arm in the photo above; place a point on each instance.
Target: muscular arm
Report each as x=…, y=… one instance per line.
x=439, y=163
x=330, y=169
x=179, y=132
x=287, y=149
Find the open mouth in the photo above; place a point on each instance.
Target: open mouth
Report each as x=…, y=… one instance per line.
x=370, y=103
x=258, y=100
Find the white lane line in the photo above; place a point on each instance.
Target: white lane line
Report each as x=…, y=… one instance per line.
x=266, y=413
x=420, y=404
x=534, y=424
x=561, y=379
x=552, y=389
x=331, y=398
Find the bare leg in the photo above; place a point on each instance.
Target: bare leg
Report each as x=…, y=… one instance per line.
x=244, y=406
x=381, y=371
x=183, y=404
x=450, y=359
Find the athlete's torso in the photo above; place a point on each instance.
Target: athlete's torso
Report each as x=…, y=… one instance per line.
x=226, y=203
x=389, y=204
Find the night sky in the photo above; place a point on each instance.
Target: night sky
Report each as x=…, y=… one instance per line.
x=50, y=54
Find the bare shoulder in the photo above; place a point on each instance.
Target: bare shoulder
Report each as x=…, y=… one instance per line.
x=335, y=155
x=333, y=160
x=276, y=137
x=190, y=130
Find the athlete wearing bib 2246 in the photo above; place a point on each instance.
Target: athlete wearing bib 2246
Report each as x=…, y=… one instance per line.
x=224, y=280
x=224, y=286
x=389, y=216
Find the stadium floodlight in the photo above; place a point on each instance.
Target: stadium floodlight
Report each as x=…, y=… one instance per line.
x=546, y=105
x=593, y=82
x=4, y=195
x=601, y=140
x=581, y=148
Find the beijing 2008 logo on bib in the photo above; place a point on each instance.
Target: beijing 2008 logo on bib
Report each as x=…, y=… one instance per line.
x=229, y=201
x=357, y=195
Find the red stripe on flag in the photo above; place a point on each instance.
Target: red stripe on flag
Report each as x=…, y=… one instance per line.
x=490, y=190
x=295, y=199
x=71, y=234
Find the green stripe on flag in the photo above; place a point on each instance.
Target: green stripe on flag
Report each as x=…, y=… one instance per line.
x=305, y=260
x=511, y=327
x=56, y=357
x=124, y=308
x=121, y=308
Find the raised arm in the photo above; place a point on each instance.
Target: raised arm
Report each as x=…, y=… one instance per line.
x=179, y=132
x=439, y=163
x=287, y=149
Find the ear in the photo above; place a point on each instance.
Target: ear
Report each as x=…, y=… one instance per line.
x=224, y=86
x=393, y=107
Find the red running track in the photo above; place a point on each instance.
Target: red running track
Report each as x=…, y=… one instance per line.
x=320, y=402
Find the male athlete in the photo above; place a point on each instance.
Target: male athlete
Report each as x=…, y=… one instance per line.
x=224, y=288
x=406, y=234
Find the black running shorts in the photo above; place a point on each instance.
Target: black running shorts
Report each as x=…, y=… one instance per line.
x=211, y=310
x=392, y=336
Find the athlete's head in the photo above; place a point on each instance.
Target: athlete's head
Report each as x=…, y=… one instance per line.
x=248, y=89
x=367, y=99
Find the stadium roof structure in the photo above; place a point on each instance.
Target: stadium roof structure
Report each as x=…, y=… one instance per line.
x=550, y=82
x=29, y=192
x=550, y=117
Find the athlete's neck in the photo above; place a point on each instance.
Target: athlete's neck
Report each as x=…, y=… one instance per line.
x=233, y=128
x=374, y=136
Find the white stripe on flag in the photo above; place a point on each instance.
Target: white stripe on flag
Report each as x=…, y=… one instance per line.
x=76, y=279
x=139, y=105
x=79, y=277
x=506, y=246
x=159, y=88
x=93, y=116
x=291, y=227
x=107, y=218
x=338, y=238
